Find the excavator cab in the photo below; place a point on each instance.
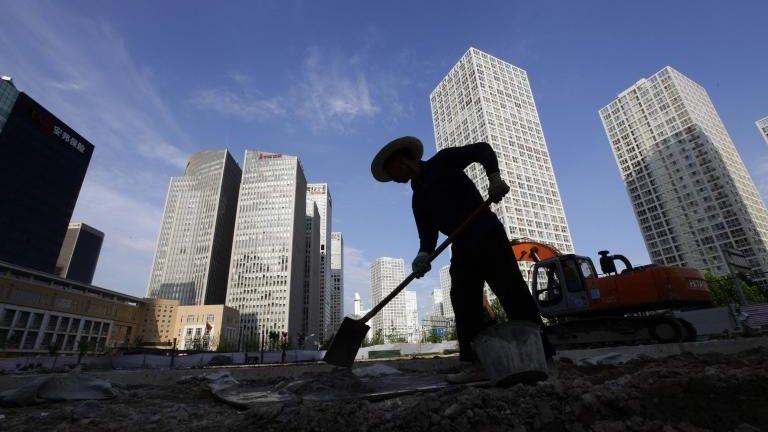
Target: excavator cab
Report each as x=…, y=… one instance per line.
x=559, y=285
x=559, y=282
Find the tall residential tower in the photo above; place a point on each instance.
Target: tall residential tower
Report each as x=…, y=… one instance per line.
x=692, y=195
x=386, y=275
x=486, y=99
x=762, y=126
x=193, y=249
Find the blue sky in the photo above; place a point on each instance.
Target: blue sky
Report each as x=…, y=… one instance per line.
x=148, y=83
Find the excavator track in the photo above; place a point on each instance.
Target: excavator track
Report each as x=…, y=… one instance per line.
x=619, y=330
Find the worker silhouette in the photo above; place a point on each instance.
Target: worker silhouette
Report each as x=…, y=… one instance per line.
x=443, y=197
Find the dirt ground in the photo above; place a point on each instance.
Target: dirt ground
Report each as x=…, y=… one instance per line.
x=687, y=393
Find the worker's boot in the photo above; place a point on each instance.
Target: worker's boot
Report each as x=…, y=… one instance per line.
x=472, y=373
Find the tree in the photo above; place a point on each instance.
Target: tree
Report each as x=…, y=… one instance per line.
x=301, y=340
x=434, y=337
x=451, y=334
x=377, y=338
x=53, y=351
x=274, y=339
x=724, y=291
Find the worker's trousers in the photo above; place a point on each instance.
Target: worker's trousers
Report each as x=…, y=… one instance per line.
x=487, y=256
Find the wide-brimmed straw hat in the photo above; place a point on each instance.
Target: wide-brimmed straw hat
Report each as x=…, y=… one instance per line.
x=407, y=142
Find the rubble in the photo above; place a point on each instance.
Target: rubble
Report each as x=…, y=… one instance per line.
x=682, y=393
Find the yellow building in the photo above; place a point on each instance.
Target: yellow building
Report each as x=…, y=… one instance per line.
x=207, y=327
x=157, y=323
x=40, y=310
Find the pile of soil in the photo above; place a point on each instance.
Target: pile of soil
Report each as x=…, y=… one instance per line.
x=683, y=393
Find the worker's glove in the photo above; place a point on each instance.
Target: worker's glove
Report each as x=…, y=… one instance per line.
x=421, y=265
x=497, y=188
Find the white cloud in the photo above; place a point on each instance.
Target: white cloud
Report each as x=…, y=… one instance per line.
x=246, y=107
x=334, y=92
x=331, y=93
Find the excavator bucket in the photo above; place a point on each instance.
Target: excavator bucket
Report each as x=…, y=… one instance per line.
x=529, y=250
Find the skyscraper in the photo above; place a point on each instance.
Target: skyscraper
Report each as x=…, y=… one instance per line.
x=191, y=260
x=762, y=126
x=691, y=193
x=486, y=99
x=337, y=280
x=79, y=253
x=319, y=194
x=412, y=317
x=386, y=275
x=42, y=166
x=266, y=276
x=445, y=287
x=437, y=302
x=311, y=297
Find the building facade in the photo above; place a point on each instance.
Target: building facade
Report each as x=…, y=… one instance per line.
x=191, y=259
x=311, y=299
x=445, y=287
x=691, y=193
x=483, y=98
x=319, y=194
x=207, y=328
x=266, y=276
x=762, y=127
x=337, y=280
x=42, y=166
x=412, y=317
x=39, y=310
x=392, y=320
x=79, y=253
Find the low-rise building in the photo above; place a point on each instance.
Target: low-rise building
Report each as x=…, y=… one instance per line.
x=38, y=310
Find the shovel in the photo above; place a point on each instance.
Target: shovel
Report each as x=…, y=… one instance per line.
x=351, y=334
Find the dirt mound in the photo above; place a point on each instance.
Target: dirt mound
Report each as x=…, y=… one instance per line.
x=684, y=393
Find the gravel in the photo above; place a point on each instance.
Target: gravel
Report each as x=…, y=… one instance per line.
x=684, y=393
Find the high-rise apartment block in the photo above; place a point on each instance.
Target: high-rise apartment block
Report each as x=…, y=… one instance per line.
x=692, y=195
x=319, y=194
x=266, y=276
x=191, y=260
x=483, y=98
x=392, y=320
x=445, y=287
x=762, y=126
x=42, y=167
x=337, y=280
x=79, y=253
x=412, y=317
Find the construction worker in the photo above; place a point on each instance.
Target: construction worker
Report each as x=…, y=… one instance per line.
x=443, y=197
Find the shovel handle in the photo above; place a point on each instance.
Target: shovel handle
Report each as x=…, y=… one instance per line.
x=434, y=255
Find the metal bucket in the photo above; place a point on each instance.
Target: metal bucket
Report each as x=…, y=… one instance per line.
x=512, y=353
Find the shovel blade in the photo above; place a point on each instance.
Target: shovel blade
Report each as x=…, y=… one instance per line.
x=345, y=344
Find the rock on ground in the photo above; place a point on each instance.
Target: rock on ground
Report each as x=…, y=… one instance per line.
x=685, y=393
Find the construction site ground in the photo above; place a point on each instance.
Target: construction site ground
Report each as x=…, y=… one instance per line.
x=702, y=386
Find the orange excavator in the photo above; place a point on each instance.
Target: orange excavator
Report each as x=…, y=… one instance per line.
x=631, y=306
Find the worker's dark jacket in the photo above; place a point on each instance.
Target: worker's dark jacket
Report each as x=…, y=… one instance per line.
x=444, y=196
